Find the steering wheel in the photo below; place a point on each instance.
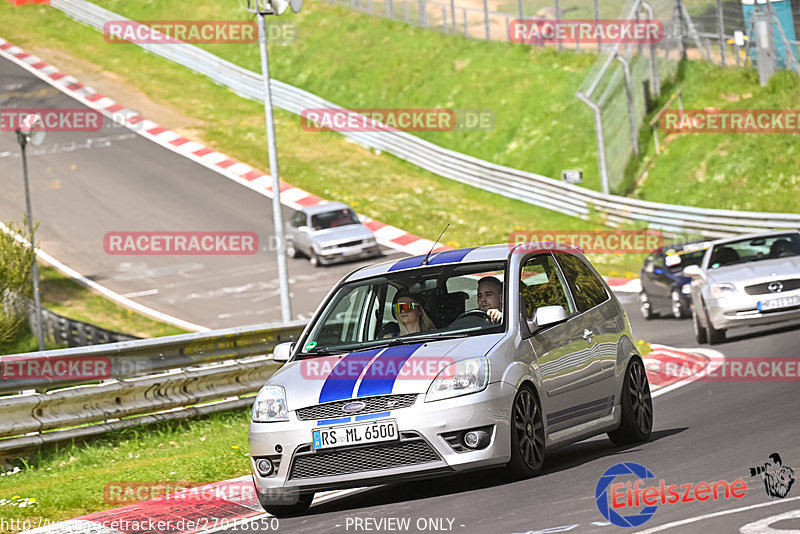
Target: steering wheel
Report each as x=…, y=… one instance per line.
x=480, y=314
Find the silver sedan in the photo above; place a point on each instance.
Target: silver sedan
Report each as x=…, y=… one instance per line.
x=746, y=281
x=329, y=233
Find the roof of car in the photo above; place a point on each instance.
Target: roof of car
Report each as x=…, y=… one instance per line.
x=325, y=206
x=459, y=255
x=773, y=233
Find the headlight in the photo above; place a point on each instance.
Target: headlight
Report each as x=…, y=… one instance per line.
x=270, y=405
x=459, y=378
x=723, y=289
x=686, y=289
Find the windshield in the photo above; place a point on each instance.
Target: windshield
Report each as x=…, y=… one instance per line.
x=749, y=250
x=421, y=304
x=332, y=219
x=677, y=261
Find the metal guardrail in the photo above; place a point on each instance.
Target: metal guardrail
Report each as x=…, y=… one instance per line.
x=513, y=183
x=144, y=381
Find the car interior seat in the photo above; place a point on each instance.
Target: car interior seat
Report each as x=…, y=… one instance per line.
x=724, y=256
x=444, y=309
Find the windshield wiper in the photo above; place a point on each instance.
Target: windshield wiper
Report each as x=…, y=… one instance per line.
x=322, y=352
x=435, y=337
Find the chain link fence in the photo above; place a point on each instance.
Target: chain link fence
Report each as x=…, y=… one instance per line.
x=625, y=80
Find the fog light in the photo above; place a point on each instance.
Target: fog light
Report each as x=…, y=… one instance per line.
x=264, y=467
x=476, y=439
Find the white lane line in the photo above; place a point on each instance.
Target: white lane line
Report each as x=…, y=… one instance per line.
x=703, y=517
x=763, y=526
x=116, y=297
x=144, y=293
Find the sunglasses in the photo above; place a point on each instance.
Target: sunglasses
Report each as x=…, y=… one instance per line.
x=405, y=307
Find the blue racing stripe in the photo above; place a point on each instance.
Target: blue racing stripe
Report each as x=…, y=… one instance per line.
x=341, y=383
x=450, y=256
x=372, y=416
x=381, y=375
x=407, y=263
x=334, y=421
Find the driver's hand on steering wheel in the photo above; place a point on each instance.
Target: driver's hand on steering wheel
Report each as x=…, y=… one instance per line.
x=495, y=315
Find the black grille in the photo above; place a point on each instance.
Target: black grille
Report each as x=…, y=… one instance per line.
x=763, y=289
x=410, y=451
x=332, y=410
x=349, y=243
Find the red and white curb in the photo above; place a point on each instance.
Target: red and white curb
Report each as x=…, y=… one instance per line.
x=235, y=170
x=669, y=368
x=231, y=168
x=624, y=285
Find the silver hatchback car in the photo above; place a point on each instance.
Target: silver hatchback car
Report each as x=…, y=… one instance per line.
x=329, y=233
x=461, y=360
x=746, y=281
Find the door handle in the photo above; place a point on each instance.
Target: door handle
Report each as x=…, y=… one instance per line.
x=587, y=335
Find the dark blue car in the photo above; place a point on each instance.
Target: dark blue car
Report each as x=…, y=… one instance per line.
x=664, y=288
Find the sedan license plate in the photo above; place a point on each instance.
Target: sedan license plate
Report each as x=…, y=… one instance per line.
x=773, y=304
x=340, y=436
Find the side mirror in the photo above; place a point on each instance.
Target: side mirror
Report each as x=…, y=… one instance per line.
x=547, y=315
x=282, y=352
x=303, y=229
x=692, y=270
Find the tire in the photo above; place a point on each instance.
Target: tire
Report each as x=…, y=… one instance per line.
x=314, y=259
x=527, y=435
x=699, y=331
x=637, y=407
x=291, y=251
x=714, y=336
x=645, y=306
x=678, y=307
x=285, y=504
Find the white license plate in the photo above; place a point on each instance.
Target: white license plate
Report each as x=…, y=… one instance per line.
x=785, y=302
x=340, y=436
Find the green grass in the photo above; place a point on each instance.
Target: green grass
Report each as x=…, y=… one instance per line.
x=68, y=298
x=68, y=481
x=379, y=186
x=740, y=171
x=356, y=60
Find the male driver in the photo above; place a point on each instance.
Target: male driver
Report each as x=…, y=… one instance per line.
x=490, y=297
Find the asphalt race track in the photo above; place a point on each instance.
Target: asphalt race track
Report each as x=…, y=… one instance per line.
x=705, y=431
x=86, y=184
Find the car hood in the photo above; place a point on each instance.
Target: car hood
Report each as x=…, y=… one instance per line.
x=401, y=369
x=757, y=271
x=351, y=232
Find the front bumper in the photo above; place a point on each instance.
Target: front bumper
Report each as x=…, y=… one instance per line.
x=421, y=452
x=742, y=310
x=339, y=254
